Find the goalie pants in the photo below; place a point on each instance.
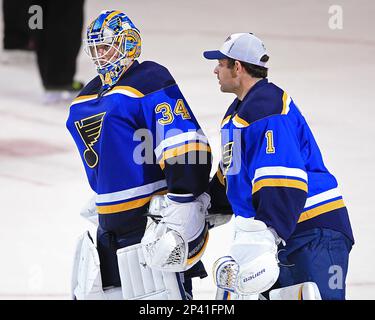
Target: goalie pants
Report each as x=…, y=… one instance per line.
x=319, y=255
x=109, y=242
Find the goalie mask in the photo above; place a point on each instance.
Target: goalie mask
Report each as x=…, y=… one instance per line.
x=112, y=43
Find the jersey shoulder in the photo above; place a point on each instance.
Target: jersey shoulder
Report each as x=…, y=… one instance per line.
x=91, y=88
x=265, y=99
x=140, y=80
x=146, y=78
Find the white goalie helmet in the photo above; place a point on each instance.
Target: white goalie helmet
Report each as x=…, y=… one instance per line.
x=112, y=42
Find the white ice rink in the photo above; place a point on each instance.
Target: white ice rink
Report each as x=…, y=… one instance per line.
x=328, y=72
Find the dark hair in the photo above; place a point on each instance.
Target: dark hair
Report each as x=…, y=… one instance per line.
x=252, y=69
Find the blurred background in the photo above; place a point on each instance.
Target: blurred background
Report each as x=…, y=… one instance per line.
x=321, y=52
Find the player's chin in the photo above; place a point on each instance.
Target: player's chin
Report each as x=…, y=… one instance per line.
x=224, y=88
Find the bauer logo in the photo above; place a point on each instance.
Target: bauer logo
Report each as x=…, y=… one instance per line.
x=254, y=275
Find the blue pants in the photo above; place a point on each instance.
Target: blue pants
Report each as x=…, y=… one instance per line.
x=318, y=255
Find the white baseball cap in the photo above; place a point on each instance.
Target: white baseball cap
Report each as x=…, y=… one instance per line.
x=240, y=46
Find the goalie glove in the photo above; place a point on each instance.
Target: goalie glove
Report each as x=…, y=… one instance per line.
x=177, y=241
x=252, y=266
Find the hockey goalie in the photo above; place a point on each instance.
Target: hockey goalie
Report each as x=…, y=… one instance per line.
x=138, y=139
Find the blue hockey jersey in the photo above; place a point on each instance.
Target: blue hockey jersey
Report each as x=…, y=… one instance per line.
x=136, y=140
x=272, y=168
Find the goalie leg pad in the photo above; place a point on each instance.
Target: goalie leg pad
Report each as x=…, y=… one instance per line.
x=301, y=291
x=86, y=278
x=140, y=282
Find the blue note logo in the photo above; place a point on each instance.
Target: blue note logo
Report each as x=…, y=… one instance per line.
x=89, y=129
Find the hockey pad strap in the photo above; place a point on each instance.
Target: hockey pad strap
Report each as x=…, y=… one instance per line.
x=140, y=282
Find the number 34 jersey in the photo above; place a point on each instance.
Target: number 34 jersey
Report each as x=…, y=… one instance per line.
x=272, y=167
x=137, y=140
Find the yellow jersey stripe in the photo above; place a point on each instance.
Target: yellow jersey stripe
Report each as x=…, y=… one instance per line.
x=131, y=89
x=174, y=152
x=94, y=96
x=290, y=183
x=129, y=205
x=312, y=213
x=84, y=98
x=241, y=121
x=285, y=97
x=225, y=120
x=200, y=253
x=220, y=176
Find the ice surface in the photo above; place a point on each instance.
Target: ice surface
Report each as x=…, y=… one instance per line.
x=329, y=73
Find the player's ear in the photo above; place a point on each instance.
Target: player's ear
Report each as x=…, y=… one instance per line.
x=238, y=67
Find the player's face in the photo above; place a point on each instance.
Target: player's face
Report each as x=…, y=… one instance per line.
x=227, y=78
x=106, y=53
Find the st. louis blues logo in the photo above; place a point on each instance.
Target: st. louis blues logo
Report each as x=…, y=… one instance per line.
x=89, y=129
x=227, y=156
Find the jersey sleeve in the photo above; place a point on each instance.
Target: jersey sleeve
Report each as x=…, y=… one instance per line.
x=181, y=148
x=217, y=192
x=277, y=171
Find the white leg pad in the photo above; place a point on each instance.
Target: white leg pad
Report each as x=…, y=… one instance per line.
x=301, y=291
x=140, y=282
x=86, y=278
